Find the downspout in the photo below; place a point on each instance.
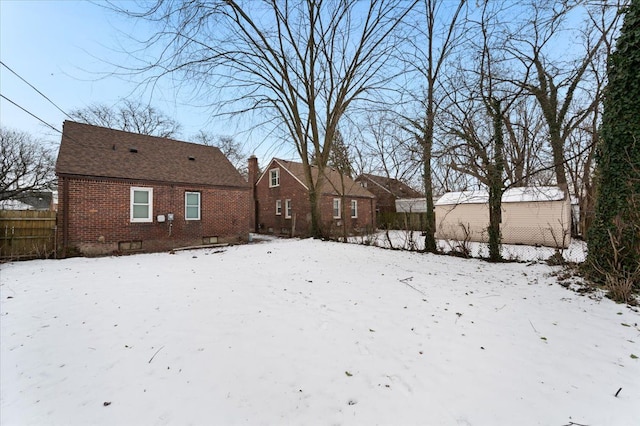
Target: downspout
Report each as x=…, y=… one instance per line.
x=65, y=216
x=373, y=215
x=253, y=202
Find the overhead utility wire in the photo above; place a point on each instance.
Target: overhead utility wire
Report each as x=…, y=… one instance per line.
x=42, y=121
x=31, y=85
x=30, y=113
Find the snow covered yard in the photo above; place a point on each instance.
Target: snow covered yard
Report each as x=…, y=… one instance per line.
x=306, y=332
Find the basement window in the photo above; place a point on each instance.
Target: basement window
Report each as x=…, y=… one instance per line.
x=129, y=245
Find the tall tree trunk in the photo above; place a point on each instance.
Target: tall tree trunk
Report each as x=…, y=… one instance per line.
x=316, y=216
x=430, y=226
x=495, y=184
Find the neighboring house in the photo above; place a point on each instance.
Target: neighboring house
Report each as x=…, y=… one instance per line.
x=30, y=200
x=531, y=215
x=387, y=191
x=282, y=200
x=122, y=192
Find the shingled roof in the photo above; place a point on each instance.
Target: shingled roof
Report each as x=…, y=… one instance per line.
x=334, y=184
x=393, y=186
x=92, y=151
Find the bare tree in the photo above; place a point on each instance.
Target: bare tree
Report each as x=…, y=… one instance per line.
x=525, y=145
x=129, y=116
x=25, y=165
x=432, y=47
x=479, y=102
x=556, y=82
x=300, y=65
x=389, y=149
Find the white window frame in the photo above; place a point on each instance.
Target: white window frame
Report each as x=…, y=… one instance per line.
x=186, y=194
x=278, y=207
x=354, y=209
x=274, y=178
x=132, y=192
x=337, y=206
x=287, y=209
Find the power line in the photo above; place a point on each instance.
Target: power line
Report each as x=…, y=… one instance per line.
x=34, y=88
x=30, y=113
x=43, y=122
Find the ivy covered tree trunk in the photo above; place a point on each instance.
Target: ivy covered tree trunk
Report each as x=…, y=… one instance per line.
x=495, y=183
x=430, y=226
x=614, y=237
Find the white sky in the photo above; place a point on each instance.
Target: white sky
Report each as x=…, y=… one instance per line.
x=60, y=47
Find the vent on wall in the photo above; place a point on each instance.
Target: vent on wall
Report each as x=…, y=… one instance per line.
x=192, y=158
x=134, y=150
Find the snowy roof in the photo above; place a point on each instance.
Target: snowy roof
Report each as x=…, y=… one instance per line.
x=513, y=195
x=14, y=205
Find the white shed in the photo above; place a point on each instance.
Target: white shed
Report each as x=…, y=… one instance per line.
x=530, y=215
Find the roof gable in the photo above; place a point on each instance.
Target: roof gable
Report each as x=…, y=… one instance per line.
x=392, y=186
x=284, y=165
x=99, y=152
x=333, y=183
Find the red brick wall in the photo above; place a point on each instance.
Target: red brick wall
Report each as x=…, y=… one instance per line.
x=99, y=216
x=365, y=219
x=290, y=188
x=385, y=201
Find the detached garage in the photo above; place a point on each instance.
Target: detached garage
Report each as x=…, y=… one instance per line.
x=531, y=216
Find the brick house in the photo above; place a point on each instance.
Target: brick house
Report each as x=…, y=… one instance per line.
x=282, y=200
x=387, y=191
x=123, y=192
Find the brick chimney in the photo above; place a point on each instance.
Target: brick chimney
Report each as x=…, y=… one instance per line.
x=253, y=178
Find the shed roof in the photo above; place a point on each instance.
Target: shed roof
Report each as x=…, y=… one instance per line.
x=334, y=184
x=93, y=151
x=512, y=195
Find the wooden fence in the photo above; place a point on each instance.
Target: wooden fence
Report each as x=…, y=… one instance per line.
x=27, y=234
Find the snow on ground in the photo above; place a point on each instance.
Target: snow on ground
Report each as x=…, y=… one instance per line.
x=304, y=332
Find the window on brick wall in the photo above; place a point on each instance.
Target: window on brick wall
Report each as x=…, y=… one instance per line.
x=287, y=209
x=192, y=205
x=141, y=204
x=354, y=209
x=278, y=207
x=274, y=178
x=336, y=208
